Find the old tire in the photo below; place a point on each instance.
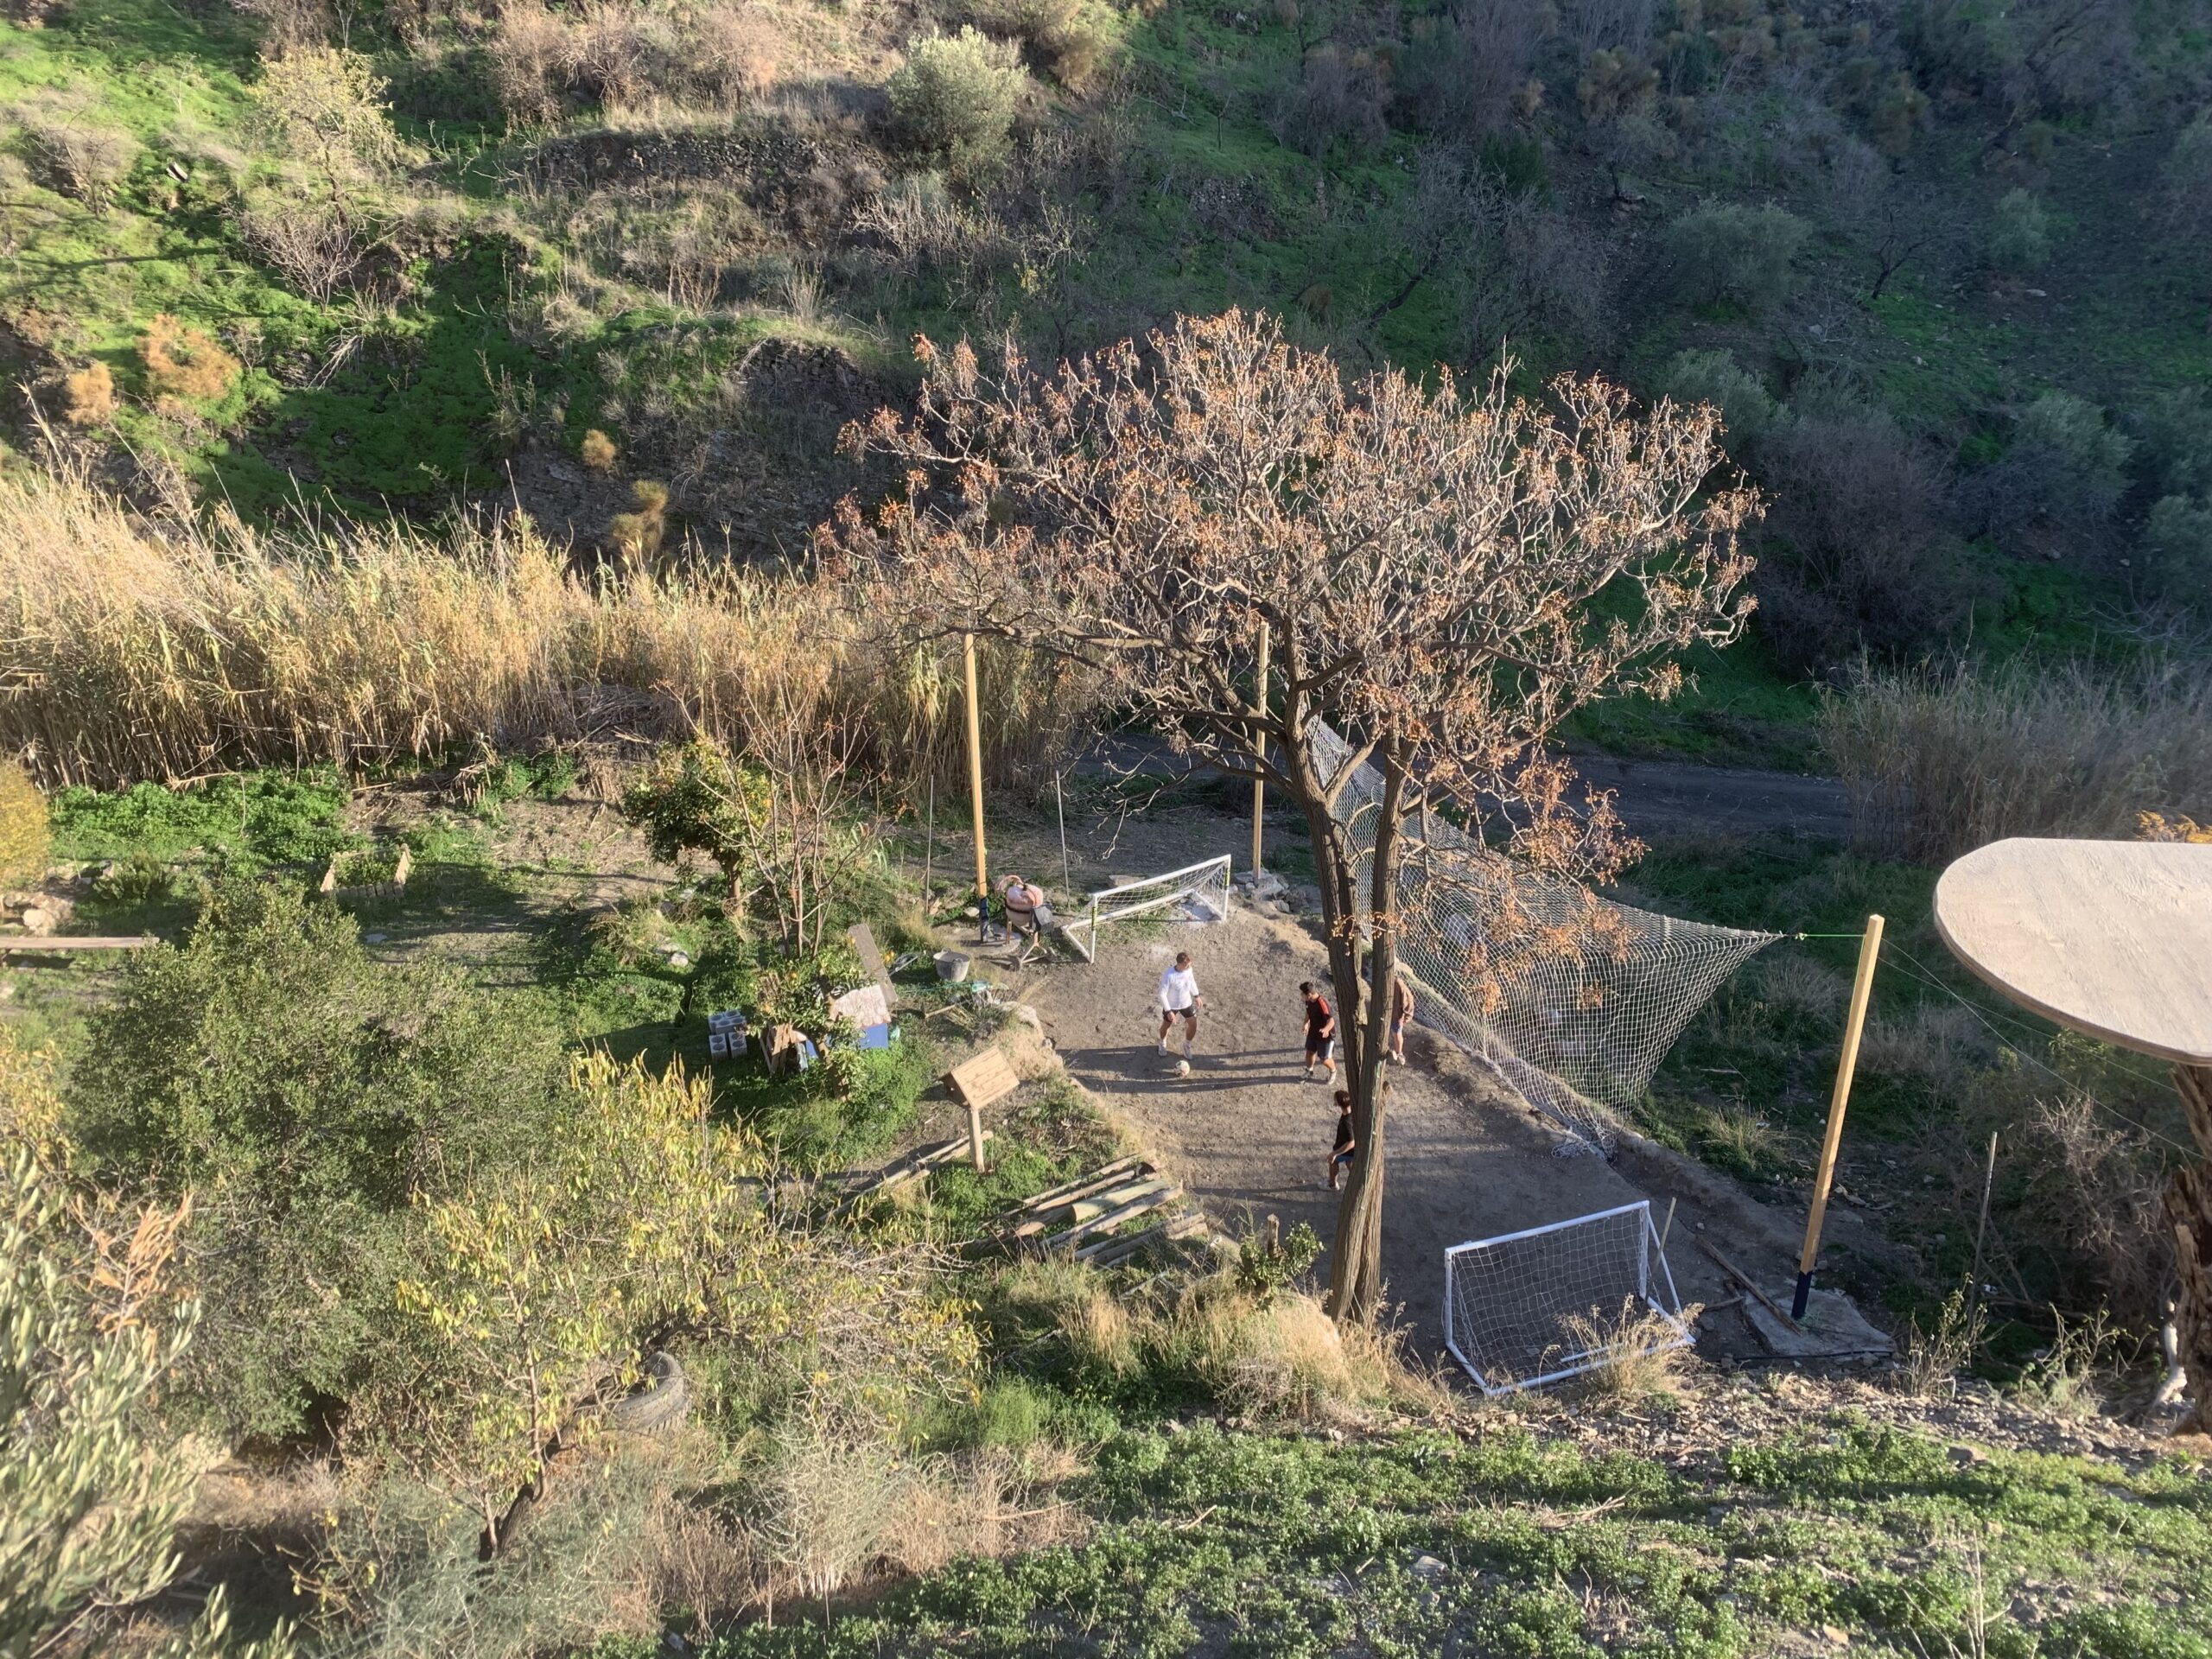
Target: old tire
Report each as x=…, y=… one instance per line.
x=663, y=1402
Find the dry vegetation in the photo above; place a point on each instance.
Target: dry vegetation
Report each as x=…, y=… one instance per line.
x=162, y=656
x=1940, y=760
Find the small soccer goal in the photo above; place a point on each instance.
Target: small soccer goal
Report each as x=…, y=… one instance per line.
x=1554, y=1301
x=1196, y=892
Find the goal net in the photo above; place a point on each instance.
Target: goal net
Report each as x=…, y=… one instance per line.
x=1196, y=892
x=1557, y=1300
x=1570, y=997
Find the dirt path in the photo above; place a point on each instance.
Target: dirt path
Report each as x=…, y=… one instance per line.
x=1248, y=1138
x=1661, y=798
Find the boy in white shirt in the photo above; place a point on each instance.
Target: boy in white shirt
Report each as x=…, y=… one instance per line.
x=1179, y=999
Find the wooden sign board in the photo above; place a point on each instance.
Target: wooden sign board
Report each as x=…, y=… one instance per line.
x=2110, y=937
x=986, y=1078
x=863, y=943
x=864, y=1007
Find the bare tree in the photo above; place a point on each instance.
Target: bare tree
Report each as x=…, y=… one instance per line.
x=1444, y=577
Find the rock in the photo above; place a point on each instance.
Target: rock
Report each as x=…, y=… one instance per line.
x=1029, y=1017
x=1428, y=1566
x=37, y=918
x=374, y=936
x=679, y=959
x=1966, y=1457
x=1836, y=1634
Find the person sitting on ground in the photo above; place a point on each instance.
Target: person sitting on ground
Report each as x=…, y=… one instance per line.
x=1320, y=1034
x=1025, y=912
x=1347, y=1144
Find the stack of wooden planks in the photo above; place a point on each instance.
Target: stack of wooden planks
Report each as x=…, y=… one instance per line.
x=918, y=1162
x=1081, y=1217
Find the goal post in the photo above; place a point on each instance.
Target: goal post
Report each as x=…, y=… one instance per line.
x=1555, y=1301
x=1202, y=889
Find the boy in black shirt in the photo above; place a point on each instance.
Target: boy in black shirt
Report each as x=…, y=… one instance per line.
x=1347, y=1145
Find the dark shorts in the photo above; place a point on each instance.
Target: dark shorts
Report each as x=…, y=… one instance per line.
x=1319, y=1048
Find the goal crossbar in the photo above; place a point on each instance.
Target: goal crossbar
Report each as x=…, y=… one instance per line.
x=1119, y=904
x=1644, y=1262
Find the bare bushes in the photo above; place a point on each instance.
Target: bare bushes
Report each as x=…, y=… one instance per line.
x=2097, y=1185
x=721, y=56
x=155, y=658
x=1856, y=508
x=1940, y=761
x=1470, y=71
x=75, y=153
x=1340, y=98
x=1074, y=41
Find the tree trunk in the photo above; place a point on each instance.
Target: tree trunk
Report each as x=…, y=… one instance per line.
x=1363, y=1011
x=2189, y=1210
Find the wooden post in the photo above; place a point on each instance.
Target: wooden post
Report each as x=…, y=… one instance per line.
x=976, y=790
x=928, y=850
x=1854, y=1024
x=976, y=1134
x=1060, y=812
x=1259, y=789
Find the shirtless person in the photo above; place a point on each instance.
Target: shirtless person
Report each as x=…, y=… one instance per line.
x=1401, y=1014
x=1180, y=1000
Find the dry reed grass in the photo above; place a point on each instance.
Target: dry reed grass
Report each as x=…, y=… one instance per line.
x=137, y=654
x=1639, y=1355
x=1941, y=761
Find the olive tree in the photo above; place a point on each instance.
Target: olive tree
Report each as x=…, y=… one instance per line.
x=1443, y=576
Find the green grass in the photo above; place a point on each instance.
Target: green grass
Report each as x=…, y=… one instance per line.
x=1421, y=1543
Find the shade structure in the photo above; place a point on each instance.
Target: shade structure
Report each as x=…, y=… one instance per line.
x=2109, y=938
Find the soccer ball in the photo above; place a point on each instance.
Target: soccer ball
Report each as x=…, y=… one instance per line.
x=1182, y=1068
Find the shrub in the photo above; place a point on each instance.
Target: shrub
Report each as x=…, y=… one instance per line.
x=955, y=98
x=88, y=396
x=76, y=155
x=2019, y=233
x=1856, y=518
x=1615, y=83
x=1467, y=72
x=306, y=1094
x=184, y=365
x=597, y=451
x=736, y=55
x=527, y=56
x=637, y=535
x=1898, y=114
x=2177, y=551
x=1731, y=254
x=305, y=241
x=91, y=1326
x=2066, y=463
x=1072, y=41
x=26, y=839
x=1340, y=98
x=1716, y=378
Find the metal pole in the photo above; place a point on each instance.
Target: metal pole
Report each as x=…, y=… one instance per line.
x=1060, y=812
x=976, y=790
x=1854, y=1024
x=1259, y=789
x=1981, y=1226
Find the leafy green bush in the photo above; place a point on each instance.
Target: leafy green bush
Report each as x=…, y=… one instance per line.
x=1266, y=1265
x=2066, y=464
x=2019, y=233
x=306, y=1094
x=1728, y=254
x=26, y=840
x=1072, y=41
x=1716, y=378
x=253, y=819
x=955, y=98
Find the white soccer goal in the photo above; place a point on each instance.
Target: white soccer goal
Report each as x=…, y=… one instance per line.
x=1198, y=892
x=1557, y=1300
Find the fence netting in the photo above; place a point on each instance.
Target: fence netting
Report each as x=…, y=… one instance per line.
x=1571, y=998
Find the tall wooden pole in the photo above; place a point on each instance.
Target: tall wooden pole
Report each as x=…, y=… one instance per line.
x=1259, y=789
x=1854, y=1026
x=976, y=789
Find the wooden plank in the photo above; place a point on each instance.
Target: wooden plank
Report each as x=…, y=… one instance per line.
x=2110, y=937
x=1108, y=1252
x=1113, y=1218
x=1078, y=1187
x=76, y=942
x=864, y=945
x=986, y=1078
x=1112, y=1195
x=1745, y=1280
x=914, y=1163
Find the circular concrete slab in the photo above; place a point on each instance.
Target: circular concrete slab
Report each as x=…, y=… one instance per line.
x=2110, y=937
